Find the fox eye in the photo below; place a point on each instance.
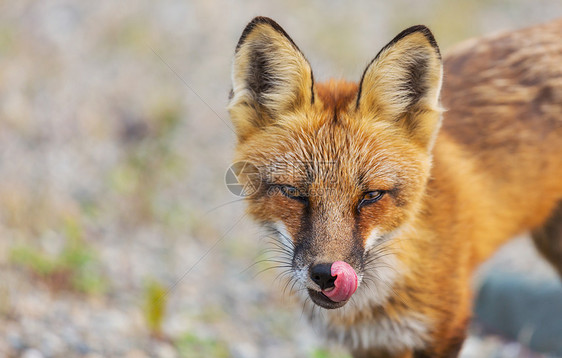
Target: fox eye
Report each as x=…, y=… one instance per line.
x=371, y=197
x=292, y=193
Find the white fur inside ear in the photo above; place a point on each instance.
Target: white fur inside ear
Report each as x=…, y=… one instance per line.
x=402, y=85
x=270, y=78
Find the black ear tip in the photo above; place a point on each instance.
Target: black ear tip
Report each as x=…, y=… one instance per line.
x=423, y=30
x=260, y=20
x=252, y=25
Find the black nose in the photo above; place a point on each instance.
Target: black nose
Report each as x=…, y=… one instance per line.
x=321, y=274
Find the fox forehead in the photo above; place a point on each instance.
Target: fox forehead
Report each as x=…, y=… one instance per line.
x=331, y=173
x=337, y=95
x=315, y=149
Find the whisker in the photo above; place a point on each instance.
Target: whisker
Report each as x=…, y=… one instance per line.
x=222, y=205
x=304, y=306
x=281, y=262
x=269, y=268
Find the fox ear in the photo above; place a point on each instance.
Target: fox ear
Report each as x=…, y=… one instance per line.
x=270, y=77
x=402, y=84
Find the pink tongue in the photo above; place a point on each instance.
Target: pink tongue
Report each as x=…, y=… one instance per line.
x=345, y=284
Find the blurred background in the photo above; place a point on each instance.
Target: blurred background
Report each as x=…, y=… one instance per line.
x=118, y=237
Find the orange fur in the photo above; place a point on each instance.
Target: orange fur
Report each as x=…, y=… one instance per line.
x=451, y=196
x=336, y=95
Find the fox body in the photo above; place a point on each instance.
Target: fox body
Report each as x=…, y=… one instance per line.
x=367, y=176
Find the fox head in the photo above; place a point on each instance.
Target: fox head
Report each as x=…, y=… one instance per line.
x=343, y=167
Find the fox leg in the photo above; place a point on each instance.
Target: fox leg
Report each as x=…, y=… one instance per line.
x=450, y=343
x=451, y=351
x=548, y=238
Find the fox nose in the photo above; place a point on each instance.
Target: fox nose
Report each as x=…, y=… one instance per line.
x=321, y=274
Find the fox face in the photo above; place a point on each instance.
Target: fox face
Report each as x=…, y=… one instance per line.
x=343, y=167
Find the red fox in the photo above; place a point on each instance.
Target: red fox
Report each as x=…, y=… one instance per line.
x=382, y=209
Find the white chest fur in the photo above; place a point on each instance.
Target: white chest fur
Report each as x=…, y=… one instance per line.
x=406, y=332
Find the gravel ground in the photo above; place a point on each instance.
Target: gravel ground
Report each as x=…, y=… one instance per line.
x=118, y=237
